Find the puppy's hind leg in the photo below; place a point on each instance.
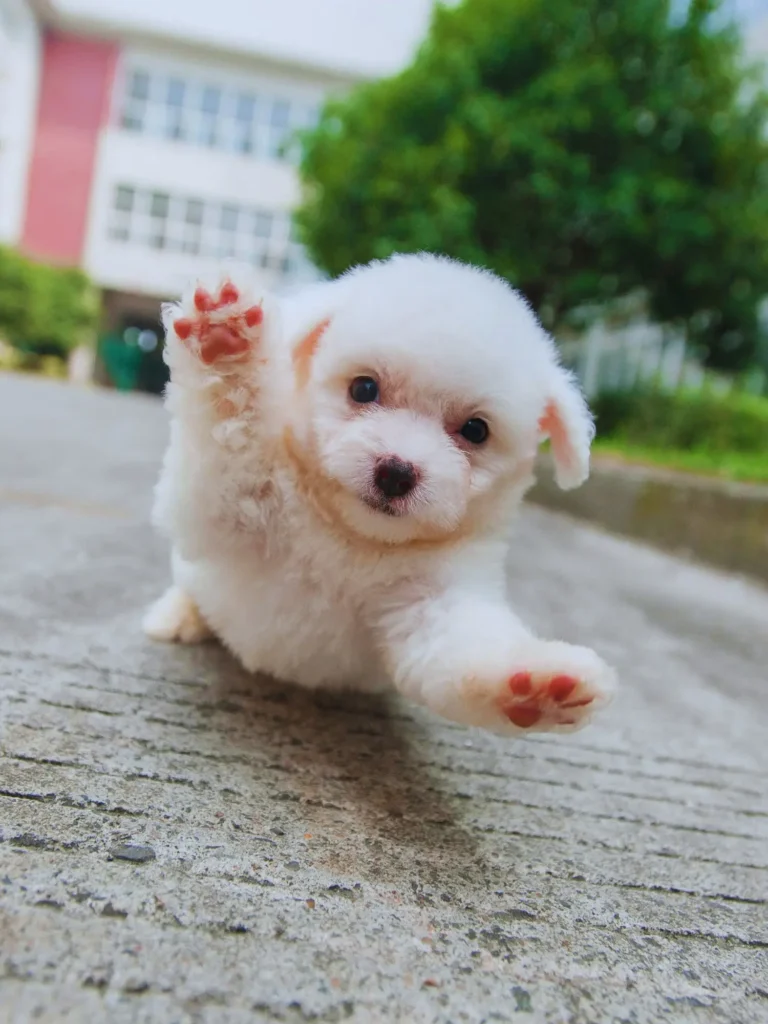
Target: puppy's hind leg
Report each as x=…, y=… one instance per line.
x=175, y=618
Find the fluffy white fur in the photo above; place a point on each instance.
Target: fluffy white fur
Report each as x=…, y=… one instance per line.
x=282, y=545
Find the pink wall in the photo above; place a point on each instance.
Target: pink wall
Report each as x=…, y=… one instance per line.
x=75, y=93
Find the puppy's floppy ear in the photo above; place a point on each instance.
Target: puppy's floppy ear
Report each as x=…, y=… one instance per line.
x=304, y=351
x=567, y=422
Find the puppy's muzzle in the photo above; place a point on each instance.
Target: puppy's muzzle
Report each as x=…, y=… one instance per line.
x=394, y=478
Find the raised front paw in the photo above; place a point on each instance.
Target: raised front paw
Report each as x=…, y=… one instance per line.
x=556, y=688
x=225, y=327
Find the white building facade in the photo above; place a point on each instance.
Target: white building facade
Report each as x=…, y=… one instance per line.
x=20, y=44
x=148, y=141
x=197, y=165
x=146, y=159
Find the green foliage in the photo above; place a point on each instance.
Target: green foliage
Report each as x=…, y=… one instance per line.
x=692, y=421
x=745, y=466
x=582, y=149
x=44, y=310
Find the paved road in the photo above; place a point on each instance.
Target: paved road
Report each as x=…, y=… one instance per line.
x=329, y=859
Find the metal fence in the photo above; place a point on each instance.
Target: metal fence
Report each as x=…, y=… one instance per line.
x=621, y=358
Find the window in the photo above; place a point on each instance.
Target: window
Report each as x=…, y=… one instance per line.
x=262, y=224
x=246, y=108
x=228, y=238
x=158, y=212
x=244, y=135
x=176, y=91
x=229, y=218
x=280, y=114
x=207, y=229
x=194, y=211
x=124, y=198
x=206, y=113
x=138, y=87
x=174, y=125
x=210, y=102
x=121, y=223
x=279, y=127
x=135, y=107
x=159, y=205
x=191, y=233
x=119, y=233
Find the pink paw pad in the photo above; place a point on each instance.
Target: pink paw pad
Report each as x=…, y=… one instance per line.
x=219, y=336
x=541, y=699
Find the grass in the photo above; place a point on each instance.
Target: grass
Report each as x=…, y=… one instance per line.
x=750, y=467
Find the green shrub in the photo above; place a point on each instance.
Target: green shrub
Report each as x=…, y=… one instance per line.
x=44, y=310
x=684, y=420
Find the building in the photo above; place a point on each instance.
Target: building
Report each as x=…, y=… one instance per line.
x=147, y=151
x=19, y=77
x=147, y=140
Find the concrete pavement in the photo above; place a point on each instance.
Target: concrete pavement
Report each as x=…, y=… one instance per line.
x=182, y=843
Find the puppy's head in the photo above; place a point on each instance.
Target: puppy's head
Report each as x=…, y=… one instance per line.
x=424, y=391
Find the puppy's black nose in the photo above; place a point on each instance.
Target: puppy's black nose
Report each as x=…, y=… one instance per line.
x=394, y=478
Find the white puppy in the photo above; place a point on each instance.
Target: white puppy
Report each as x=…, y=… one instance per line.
x=341, y=475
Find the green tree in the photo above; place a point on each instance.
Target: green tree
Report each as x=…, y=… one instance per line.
x=583, y=149
x=44, y=310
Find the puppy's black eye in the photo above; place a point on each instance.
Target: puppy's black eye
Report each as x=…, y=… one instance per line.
x=363, y=390
x=475, y=431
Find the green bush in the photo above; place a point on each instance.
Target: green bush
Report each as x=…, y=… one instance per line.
x=684, y=420
x=44, y=310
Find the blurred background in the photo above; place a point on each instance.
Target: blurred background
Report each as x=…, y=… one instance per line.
x=608, y=158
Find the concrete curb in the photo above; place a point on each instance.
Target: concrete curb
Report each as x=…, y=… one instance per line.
x=719, y=522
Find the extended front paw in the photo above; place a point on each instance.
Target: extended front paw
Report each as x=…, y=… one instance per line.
x=221, y=327
x=541, y=687
x=555, y=687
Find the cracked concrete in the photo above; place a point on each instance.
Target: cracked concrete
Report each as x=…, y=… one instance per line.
x=182, y=843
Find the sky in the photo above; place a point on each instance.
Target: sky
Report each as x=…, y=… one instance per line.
x=749, y=10
x=367, y=37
